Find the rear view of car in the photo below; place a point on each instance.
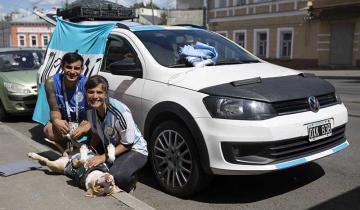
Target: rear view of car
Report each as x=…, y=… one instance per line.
x=18, y=87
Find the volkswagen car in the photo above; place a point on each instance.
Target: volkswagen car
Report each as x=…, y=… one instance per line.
x=239, y=115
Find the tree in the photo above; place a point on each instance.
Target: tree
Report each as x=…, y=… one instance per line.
x=163, y=18
x=148, y=6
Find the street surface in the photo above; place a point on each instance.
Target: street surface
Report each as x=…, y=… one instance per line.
x=330, y=183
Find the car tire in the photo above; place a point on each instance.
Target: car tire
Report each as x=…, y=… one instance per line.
x=3, y=114
x=175, y=161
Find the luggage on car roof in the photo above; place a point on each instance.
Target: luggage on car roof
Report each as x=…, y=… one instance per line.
x=81, y=10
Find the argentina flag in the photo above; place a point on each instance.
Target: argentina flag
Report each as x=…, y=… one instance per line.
x=87, y=40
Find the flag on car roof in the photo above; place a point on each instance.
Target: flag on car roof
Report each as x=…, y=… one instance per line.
x=87, y=40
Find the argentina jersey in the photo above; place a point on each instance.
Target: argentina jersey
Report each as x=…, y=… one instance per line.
x=73, y=97
x=118, y=127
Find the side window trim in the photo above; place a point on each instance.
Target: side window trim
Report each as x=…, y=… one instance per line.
x=120, y=38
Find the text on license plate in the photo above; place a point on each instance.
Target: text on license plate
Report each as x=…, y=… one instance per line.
x=319, y=130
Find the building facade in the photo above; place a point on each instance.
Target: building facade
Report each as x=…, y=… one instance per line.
x=294, y=33
x=28, y=31
x=189, y=4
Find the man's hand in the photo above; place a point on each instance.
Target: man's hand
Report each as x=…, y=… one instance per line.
x=77, y=132
x=83, y=128
x=62, y=126
x=95, y=161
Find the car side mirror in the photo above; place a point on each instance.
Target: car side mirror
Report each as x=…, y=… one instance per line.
x=125, y=68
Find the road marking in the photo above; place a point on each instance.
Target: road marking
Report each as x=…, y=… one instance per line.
x=123, y=197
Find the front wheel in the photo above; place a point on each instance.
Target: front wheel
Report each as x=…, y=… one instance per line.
x=174, y=160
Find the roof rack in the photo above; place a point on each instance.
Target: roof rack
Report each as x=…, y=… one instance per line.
x=192, y=25
x=81, y=10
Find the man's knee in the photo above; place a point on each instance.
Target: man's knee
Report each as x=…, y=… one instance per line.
x=125, y=181
x=48, y=131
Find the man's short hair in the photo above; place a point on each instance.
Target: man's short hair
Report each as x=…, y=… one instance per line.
x=71, y=57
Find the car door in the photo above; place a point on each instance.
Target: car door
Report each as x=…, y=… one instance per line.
x=128, y=89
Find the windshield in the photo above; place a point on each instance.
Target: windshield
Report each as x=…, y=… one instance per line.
x=164, y=45
x=20, y=60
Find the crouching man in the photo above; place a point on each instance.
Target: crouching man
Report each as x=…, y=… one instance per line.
x=112, y=123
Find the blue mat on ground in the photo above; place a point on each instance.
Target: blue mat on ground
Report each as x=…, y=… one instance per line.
x=18, y=166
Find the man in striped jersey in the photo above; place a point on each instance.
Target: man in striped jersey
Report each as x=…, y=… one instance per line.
x=112, y=123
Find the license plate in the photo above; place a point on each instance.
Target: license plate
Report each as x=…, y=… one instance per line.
x=319, y=130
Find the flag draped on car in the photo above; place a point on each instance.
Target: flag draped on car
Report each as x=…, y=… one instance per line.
x=88, y=40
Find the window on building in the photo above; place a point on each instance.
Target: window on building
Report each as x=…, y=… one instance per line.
x=285, y=42
x=45, y=39
x=285, y=50
x=261, y=43
x=221, y=3
x=261, y=1
x=33, y=41
x=241, y=2
x=240, y=38
x=21, y=40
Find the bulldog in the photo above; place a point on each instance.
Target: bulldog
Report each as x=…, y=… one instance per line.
x=97, y=181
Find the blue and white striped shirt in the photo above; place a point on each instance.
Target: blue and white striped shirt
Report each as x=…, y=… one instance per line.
x=118, y=127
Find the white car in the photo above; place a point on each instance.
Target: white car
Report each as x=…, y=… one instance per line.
x=240, y=116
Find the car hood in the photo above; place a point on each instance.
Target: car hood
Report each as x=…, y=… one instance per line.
x=203, y=77
x=27, y=77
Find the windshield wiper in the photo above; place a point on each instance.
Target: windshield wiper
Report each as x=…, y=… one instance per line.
x=179, y=65
x=225, y=62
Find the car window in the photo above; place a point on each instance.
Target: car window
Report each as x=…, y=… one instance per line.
x=20, y=60
x=165, y=45
x=119, y=50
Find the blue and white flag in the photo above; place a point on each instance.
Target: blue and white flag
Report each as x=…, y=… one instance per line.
x=200, y=54
x=87, y=40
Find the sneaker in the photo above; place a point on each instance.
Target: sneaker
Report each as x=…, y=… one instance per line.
x=133, y=189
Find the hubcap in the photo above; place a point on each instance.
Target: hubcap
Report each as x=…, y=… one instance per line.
x=172, y=159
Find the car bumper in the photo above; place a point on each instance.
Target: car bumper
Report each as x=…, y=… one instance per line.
x=20, y=104
x=283, y=128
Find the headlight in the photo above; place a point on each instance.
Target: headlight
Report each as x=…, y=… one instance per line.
x=16, y=88
x=238, y=109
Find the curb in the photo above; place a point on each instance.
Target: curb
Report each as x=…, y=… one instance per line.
x=125, y=198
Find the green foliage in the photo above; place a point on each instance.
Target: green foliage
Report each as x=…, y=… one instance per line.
x=163, y=18
x=141, y=5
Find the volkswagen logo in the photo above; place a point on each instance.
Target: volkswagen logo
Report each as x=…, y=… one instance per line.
x=313, y=104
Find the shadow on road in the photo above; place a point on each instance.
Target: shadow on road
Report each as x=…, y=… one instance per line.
x=249, y=188
x=349, y=200
x=229, y=189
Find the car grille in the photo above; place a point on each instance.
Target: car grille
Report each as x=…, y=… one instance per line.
x=301, y=105
x=34, y=88
x=302, y=146
x=30, y=106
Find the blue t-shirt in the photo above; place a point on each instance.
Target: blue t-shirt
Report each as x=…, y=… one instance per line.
x=82, y=104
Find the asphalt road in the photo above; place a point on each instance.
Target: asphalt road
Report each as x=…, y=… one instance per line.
x=330, y=183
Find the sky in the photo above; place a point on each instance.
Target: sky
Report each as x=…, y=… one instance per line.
x=25, y=6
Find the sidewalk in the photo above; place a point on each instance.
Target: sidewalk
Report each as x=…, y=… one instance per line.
x=43, y=190
x=336, y=74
